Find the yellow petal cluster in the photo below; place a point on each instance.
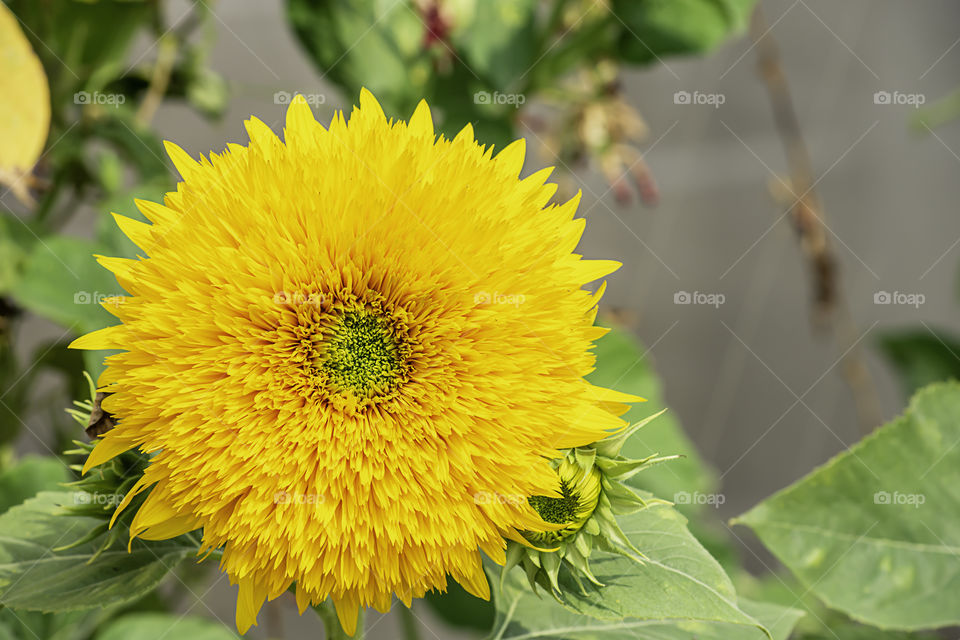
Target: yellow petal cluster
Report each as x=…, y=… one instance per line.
x=352, y=353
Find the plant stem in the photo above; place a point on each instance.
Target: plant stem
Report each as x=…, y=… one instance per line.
x=331, y=623
x=409, y=624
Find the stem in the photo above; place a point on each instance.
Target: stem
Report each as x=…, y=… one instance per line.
x=829, y=302
x=331, y=624
x=159, y=79
x=409, y=624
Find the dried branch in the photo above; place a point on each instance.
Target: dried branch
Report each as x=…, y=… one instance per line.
x=831, y=310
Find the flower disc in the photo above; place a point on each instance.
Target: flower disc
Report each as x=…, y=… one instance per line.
x=353, y=354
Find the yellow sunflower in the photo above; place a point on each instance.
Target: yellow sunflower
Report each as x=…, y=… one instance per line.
x=353, y=353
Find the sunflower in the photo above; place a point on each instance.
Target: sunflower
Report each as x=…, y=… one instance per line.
x=351, y=355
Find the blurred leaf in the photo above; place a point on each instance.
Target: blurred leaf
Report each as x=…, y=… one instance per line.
x=68, y=580
x=33, y=625
x=139, y=146
x=658, y=28
x=377, y=44
x=15, y=242
x=63, y=282
x=458, y=608
x=497, y=40
x=159, y=626
x=922, y=357
x=24, y=99
x=679, y=582
x=622, y=365
x=875, y=532
x=83, y=45
x=116, y=243
x=28, y=477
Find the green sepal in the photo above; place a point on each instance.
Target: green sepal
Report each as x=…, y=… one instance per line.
x=610, y=446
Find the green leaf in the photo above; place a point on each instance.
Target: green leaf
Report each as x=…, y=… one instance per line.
x=658, y=28
x=33, y=625
x=161, y=626
x=62, y=281
x=460, y=609
x=36, y=578
x=377, y=44
x=554, y=622
x=678, y=581
x=922, y=357
x=622, y=365
x=28, y=477
x=497, y=40
x=15, y=242
x=875, y=533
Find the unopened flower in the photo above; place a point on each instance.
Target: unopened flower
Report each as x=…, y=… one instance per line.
x=584, y=516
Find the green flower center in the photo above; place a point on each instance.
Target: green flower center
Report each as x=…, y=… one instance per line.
x=362, y=354
x=557, y=510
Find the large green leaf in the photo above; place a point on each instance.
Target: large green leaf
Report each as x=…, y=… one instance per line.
x=35, y=577
x=622, y=365
x=875, y=532
x=28, y=477
x=33, y=625
x=63, y=282
x=533, y=618
x=922, y=357
x=678, y=582
x=162, y=626
x=657, y=28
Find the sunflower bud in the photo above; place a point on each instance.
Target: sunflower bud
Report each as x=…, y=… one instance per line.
x=592, y=493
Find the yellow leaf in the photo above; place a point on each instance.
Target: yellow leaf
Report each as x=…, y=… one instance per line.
x=24, y=101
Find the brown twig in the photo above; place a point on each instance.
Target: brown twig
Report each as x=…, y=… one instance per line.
x=159, y=79
x=830, y=306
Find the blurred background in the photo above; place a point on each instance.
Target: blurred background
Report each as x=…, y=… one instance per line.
x=785, y=314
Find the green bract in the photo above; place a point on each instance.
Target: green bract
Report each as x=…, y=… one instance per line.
x=593, y=494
